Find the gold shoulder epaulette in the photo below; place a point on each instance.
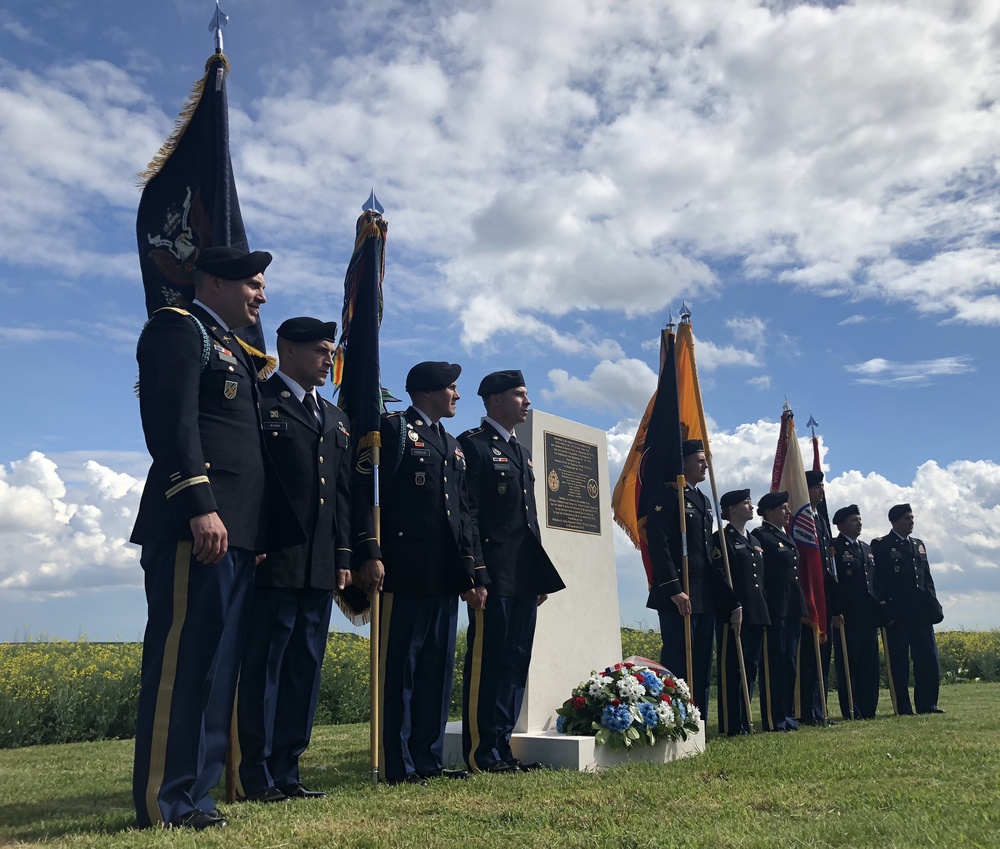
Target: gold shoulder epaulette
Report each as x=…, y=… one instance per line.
x=179, y=310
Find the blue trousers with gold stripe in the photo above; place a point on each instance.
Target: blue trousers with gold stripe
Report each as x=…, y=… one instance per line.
x=416, y=670
x=777, y=674
x=197, y=616
x=279, y=684
x=496, y=674
x=733, y=717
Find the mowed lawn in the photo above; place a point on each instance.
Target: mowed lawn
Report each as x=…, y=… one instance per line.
x=890, y=782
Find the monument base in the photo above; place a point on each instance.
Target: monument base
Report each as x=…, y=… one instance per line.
x=564, y=751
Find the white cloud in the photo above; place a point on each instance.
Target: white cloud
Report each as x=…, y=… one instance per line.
x=625, y=383
x=882, y=372
x=55, y=540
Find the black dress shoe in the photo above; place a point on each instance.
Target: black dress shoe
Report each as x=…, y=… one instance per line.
x=934, y=709
x=300, y=791
x=501, y=767
x=521, y=766
x=447, y=773
x=412, y=778
x=271, y=794
x=198, y=820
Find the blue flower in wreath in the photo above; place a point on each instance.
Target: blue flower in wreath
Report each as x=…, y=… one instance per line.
x=561, y=724
x=616, y=718
x=649, y=715
x=682, y=709
x=653, y=684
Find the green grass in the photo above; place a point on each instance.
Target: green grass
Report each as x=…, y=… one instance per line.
x=890, y=782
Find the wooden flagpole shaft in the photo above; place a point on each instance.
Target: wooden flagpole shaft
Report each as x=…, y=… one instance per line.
x=686, y=580
x=745, y=685
x=888, y=670
x=819, y=675
x=847, y=669
x=374, y=632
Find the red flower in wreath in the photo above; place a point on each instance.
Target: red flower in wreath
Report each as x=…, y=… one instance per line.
x=579, y=703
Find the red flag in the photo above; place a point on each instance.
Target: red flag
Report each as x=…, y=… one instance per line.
x=789, y=475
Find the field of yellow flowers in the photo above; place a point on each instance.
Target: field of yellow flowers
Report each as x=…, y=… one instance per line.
x=61, y=692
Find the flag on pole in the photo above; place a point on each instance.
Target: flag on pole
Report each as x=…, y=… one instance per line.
x=356, y=368
x=189, y=203
x=658, y=456
x=692, y=411
x=788, y=474
x=625, y=499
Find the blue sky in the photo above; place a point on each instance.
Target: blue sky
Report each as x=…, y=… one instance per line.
x=817, y=182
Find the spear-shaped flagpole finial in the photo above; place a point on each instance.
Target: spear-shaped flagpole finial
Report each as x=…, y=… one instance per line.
x=813, y=424
x=685, y=312
x=786, y=408
x=373, y=204
x=670, y=320
x=219, y=20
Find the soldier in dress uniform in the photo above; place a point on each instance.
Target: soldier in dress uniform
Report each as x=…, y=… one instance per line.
x=903, y=581
x=707, y=592
x=200, y=526
x=786, y=607
x=428, y=559
x=506, y=540
x=308, y=440
x=746, y=565
x=808, y=699
x=862, y=616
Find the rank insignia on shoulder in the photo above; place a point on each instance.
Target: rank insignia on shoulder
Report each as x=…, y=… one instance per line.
x=420, y=478
x=230, y=390
x=412, y=435
x=275, y=414
x=286, y=394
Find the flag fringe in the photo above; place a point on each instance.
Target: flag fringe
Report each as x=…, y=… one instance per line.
x=371, y=440
x=628, y=532
x=270, y=363
x=355, y=618
x=180, y=125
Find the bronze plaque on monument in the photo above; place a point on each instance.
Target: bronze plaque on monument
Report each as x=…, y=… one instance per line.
x=572, y=494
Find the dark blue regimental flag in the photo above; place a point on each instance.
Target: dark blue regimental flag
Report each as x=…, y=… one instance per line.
x=189, y=202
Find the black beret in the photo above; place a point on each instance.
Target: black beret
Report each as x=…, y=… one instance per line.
x=691, y=446
x=845, y=512
x=899, y=511
x=427, y=377
x=736, y=496
x=771, y=500
x=813, y=478
x=232, y=263
x=500, y=381
x=306, y=329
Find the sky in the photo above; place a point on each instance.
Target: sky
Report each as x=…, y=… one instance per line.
x=816, y=181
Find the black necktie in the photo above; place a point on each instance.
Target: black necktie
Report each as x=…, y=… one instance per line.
x=309, y=402
x=438, y=432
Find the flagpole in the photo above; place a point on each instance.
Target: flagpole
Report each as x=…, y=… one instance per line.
x=847, y=669
x=729, y=579
x=685, y=578
x=374, y=635
x=888, y=670
x=819, y=673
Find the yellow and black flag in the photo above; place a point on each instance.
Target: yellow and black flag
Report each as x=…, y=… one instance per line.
x=189, y=202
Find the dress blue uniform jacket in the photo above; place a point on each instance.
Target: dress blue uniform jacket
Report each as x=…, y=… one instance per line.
x=314, y=465
x=903, y=580
x=781, y=573
x=708, y=590
x=505, y=534
x=426, y=532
